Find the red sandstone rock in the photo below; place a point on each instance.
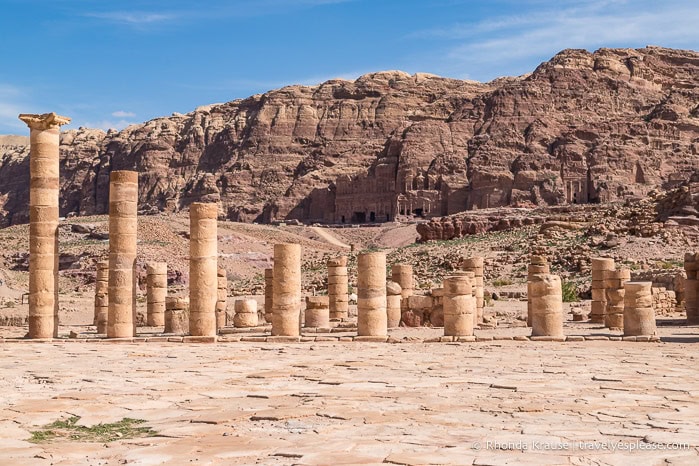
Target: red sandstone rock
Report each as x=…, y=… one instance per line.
x=583, y=127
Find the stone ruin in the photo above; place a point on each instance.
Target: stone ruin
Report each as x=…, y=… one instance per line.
x=617, y=302
x=43, y=222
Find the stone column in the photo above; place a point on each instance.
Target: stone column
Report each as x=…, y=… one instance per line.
x=203, y=268
x=547, y=306
x=691, y=288
x=372, y=319
x=614, y=284
x=639, y=316
x=393, y=310
x=600, y=266
x=221, y=299
x=102, y=296
x=538, y=265
x=317, y=313
x=44, y=184
x=245, y=313
x=156, y=292
x=338, y=288
x=269, y=294
x=476, y=265
x=287, y=290
x=123, y=208
x=403, y=275
x=459, y=306
x=176, y=320
x=437, y=310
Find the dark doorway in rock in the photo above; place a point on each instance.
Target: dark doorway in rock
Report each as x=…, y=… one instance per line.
x=372, y=217
x=388, y=218
x=359, y=217
x=343, y=219
x=575, y=198
x=418, y=212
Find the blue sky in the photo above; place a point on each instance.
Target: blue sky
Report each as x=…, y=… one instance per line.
x=110, y=63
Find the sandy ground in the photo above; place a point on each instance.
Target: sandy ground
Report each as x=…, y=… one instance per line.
x=504, y=402
x=484, y=403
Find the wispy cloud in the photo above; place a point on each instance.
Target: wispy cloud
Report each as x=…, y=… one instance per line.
x=108, y=124
x=216, y=9
x=512, y=41
x=133, y=18
x=123, y=114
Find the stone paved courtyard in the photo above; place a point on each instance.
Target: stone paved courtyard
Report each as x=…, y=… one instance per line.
x=489, y=403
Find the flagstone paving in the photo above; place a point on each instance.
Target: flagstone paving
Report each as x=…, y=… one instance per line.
x=492, y=403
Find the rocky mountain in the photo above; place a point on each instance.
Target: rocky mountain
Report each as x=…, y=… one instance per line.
x=581, y=128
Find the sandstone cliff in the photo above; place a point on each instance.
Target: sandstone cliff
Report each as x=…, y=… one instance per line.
x=583, y=127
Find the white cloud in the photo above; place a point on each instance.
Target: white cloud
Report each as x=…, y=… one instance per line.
x=510, y=43
x=108, y=124
x=123, y=114
x=133, y=18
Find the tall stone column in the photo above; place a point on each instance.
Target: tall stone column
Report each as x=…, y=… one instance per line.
x=221, y=299
x=639, y=315
x=547, y=306
x=102, y=296
x=44, y=184
x=600, y=267
x=372, y=319
x=156, y=292
x=338, y=288
x=123, y=208
x=538, y=266
x=269, y=294
x=286, y=317
x=203, y=268
x=459, y=306
x=476, y=265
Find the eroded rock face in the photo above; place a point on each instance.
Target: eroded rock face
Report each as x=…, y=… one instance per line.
x=583, y=127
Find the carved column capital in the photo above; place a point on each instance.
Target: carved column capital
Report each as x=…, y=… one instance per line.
x=44, y=121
